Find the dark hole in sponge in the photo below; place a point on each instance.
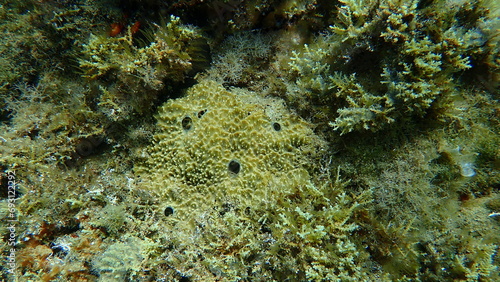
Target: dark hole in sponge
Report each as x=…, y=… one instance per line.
x=234, y=166
x=277, y=126
x=187, y=122
x=169, y=211
x=201, y=113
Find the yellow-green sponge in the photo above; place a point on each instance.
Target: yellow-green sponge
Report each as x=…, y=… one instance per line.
x=216, y=146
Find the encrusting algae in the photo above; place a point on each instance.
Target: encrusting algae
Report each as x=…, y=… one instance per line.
x=259, y=141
